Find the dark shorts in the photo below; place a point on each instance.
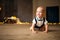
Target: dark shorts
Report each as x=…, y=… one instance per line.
x=38, y=28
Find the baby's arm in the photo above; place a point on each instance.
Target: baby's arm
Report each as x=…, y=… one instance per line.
x=46, y=26
x=32, y=28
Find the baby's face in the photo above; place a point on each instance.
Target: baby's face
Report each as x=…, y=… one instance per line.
x=39, y=12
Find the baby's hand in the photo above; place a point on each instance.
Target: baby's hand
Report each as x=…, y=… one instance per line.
x=35, y=31
x=46, y=31
x=30, y=28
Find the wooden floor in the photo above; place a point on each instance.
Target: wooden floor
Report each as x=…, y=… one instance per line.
x=22, y=32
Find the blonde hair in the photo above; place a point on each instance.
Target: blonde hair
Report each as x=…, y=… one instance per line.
x=41, y=7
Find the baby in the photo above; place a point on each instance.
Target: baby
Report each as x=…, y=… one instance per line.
x=39, y=22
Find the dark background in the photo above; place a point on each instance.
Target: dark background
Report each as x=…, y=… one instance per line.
x=19, y=8
x=52, y=14
x=23, y=9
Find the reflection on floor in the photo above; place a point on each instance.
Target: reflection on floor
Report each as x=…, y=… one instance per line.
x=22, y=32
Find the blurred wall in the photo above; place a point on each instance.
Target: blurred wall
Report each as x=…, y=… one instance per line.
x=25, y=12
x=25, y=9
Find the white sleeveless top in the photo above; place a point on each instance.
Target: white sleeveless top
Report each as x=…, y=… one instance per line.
x=39, y=23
